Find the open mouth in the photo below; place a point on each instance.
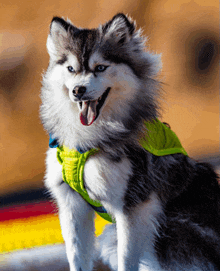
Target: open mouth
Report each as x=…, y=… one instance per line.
x=89, y=110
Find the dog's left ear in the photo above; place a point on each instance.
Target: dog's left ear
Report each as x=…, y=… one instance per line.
x=120, y=28
x=59, y=37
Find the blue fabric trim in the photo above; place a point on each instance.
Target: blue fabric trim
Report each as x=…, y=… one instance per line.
x=101, y=209
x=81, y=150
x=53, y=142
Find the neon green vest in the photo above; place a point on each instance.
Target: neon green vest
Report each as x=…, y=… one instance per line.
x=160, y=140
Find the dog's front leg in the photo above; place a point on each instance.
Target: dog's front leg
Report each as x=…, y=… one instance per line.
x=77, y=224
x=76, y=218
x=129, y=245
x=136, y=230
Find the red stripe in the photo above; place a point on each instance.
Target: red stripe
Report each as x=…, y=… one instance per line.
x=27, y=210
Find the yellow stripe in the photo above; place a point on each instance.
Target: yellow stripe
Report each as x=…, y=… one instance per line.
x=30, y=232
x=35, y=231
x=100, y=224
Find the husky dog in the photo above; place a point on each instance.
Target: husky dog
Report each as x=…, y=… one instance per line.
x=98, y=92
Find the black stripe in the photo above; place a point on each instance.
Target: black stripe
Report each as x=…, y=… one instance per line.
x=24, y=196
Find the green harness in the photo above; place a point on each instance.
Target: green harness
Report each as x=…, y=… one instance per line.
x=160, y=140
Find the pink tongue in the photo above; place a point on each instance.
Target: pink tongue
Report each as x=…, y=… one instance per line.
x=88, y=112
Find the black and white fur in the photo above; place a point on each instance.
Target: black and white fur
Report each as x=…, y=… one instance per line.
x=166, y=208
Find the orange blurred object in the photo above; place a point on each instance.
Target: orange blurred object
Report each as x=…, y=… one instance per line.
x=185, y=32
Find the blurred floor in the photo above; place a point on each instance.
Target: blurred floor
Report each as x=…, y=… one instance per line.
x=42, y=259
x=46, y=258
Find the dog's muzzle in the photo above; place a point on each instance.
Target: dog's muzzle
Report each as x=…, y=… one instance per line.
x=79, y=91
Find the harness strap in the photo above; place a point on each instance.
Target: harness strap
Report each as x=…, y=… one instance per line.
x=159, y=140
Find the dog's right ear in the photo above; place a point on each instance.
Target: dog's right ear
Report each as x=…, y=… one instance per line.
x=120, y=28
x=59, y=36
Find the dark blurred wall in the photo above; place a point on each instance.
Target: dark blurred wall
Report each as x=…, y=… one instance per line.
x=184, y=32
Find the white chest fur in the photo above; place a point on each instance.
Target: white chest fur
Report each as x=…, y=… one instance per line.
x=107, y=180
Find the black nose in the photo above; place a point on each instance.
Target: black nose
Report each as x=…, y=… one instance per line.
x=78, y=91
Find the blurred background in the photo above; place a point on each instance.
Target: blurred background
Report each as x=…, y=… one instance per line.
x=185, y=32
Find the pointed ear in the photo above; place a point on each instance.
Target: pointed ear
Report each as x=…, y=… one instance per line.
x=120, y=28
x=59, y=36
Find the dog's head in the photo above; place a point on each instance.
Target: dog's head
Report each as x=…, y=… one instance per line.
x=100, y=69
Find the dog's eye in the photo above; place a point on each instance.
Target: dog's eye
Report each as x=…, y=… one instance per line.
x=100, y=68
x=70, y=69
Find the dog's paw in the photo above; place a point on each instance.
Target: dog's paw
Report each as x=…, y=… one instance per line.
x=76, y=269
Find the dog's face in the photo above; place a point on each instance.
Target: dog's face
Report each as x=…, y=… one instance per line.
x=100, y=69
x=98, y=87
x=102, y=88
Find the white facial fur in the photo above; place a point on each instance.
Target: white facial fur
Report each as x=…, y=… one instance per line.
x=118, y=77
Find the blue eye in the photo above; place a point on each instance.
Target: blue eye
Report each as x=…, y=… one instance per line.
x=100, y=68
x=70, y=69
